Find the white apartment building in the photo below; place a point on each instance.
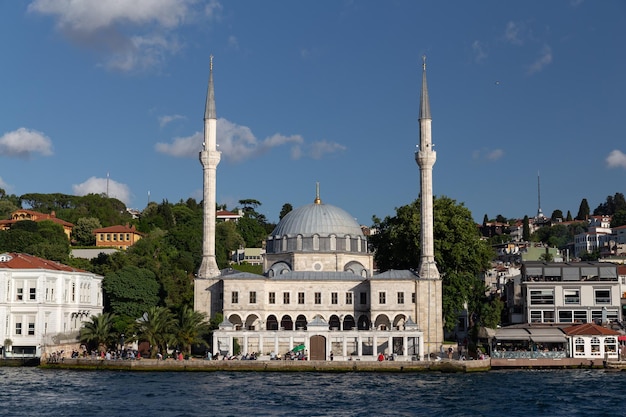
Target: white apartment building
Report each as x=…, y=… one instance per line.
x=43, y=303
x=577, y=292
x=597, y=236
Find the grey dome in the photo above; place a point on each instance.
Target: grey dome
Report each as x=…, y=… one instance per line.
x=320, y=219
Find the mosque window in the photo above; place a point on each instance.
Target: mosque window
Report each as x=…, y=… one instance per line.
x=318, y=298
x=284, y=248
x=285, y=298
x=235, y=297
x=413, y=298
x=400, y=297
x=299, y=242
x=333, y=242
x=363, y=297
x=272, y=299
x=349, y=298
x=316, y=242
x=252, y=297
x=333, y=298
x=300, y=298
x=348, y=249
x=382, y=297
x=358, y=244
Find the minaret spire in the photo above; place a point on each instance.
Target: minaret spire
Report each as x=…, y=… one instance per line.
x=317, y=194
x=209, y=158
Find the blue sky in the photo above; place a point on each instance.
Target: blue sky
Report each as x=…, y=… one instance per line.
x=316, y=91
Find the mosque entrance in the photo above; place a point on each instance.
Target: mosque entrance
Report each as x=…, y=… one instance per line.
x=318, y=348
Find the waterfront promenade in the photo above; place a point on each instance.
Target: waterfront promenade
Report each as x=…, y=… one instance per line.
x=269, y=365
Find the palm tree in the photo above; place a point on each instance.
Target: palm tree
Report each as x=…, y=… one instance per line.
x=156, y=326
x=192, y=325
x=98, y=331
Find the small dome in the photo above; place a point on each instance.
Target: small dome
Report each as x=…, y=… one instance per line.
x=320, y=219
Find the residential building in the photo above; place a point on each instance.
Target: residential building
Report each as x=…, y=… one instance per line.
x=120, y=237
x=252, y=256
x=577, y=292
x=43, y=303
x=35, y=216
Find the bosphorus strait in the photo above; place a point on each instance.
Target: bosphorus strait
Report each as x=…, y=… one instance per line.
x=580, y=392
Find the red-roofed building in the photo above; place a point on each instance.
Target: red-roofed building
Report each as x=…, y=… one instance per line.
x=120, y=237
x=226, y=216
x=591, y=341
x=35, y=216
x=43, y=303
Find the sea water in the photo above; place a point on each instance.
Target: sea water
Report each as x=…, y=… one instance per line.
x=579, y=392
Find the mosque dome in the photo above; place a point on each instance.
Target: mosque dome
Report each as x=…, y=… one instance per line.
x=318, y=219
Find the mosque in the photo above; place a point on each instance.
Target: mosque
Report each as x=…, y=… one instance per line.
x=318, y=292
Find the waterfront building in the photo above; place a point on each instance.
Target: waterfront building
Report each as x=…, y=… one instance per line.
x=43, y=303
x=319, y=291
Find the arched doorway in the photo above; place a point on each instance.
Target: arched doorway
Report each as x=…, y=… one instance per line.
x=318, y=348
x=286, y=323
x=334, y=323
x=271, y=323
x=364, y=323
x=301, y=322
x=348, y=322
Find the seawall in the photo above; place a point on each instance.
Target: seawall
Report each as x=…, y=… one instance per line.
x=199, y=365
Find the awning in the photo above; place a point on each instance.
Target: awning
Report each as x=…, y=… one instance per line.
x=547, y=335
x=512, y=334
x=548, y=339
x=621, y=338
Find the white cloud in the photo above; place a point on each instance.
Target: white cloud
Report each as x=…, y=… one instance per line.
x=321, y=148
x=23, y=143
x=487, y=154
x=237, y=143
x=544, y=59
x=616, y=159
x=495, y=154
x=512, y=33
x=479, y=51
x=164, y=120
x=101, y=185
x=130, y=35
x=233, y=43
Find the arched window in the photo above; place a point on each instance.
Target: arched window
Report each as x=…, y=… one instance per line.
x=284, y=248
x=271, y=323
x=579, y=347
x=610, y=345
x=595, y=346
x=299, y=243
x=316, y=242
x=348, y=244
x=333, y=242
x=358, y=243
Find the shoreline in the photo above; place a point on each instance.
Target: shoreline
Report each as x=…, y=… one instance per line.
x=200, y=365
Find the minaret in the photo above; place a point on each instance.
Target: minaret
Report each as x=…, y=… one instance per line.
x=209, y=158
x=539, y=212
x=428, y=285
x=425, y=158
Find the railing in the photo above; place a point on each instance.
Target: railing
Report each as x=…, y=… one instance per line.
x=529, y=354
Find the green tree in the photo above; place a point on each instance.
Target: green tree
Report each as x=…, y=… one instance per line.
x=526, y=229
x=98, y=331
x=157, y=326
x=130, y=291
x=82, y=233
x=252, y=231
x=556, y=215
x=583, y=210
x=460, y=254
x=227, y=239
x=619, y=218
x=192, y=327
x=569, y=216
x=285, y=210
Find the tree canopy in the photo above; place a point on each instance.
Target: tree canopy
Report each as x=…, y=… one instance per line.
x=460, y=254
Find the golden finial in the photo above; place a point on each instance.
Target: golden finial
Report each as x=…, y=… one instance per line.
x=317, y=194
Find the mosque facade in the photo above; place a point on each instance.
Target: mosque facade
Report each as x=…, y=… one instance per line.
x=318, y=292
